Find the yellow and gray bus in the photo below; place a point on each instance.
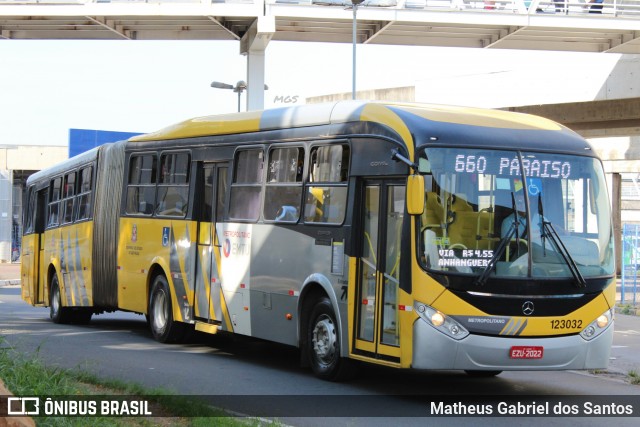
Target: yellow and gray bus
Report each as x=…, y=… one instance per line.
x=412, y=236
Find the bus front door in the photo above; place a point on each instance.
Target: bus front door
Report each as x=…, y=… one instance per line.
x=376, y=324
x=208, y=299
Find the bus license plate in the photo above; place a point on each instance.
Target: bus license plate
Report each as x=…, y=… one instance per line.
x=526, y=352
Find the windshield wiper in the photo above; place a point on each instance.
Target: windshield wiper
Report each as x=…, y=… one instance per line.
x=549, y=231
x=502, y=246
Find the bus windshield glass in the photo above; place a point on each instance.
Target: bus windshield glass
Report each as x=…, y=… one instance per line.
x=492, y=213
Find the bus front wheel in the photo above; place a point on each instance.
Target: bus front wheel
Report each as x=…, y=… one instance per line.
x=323, y=340
x=163, y=327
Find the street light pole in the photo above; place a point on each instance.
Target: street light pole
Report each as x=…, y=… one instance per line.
x=240, y=87
x=355, y=4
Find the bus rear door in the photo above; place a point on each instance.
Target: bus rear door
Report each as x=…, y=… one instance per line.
x=33, y=247
x=376, y=324
x=208, y=293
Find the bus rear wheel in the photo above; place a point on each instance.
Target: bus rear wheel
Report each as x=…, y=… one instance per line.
x=57, y=312
x=323, y=342
x=60, y=314
x=163, y=327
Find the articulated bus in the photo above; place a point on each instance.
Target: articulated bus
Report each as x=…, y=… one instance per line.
x=411, y=236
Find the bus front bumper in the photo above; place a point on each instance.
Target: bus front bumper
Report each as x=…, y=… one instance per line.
x=434, y=350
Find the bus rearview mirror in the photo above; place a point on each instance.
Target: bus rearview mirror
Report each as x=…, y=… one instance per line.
x=415, y=194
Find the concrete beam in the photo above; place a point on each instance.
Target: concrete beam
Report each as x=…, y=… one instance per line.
x=619, y=117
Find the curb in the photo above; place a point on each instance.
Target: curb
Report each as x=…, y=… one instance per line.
x=10, y=282
x=22, y=421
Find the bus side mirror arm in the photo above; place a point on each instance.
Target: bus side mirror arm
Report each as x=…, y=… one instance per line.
x=395, y=155
x=415, y=185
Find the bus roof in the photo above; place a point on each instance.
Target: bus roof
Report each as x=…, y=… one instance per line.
x=65, y=165
x=342, y=112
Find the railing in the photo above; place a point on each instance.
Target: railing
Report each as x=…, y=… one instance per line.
x=81, y=2
x=629, y=8
x=564, y=7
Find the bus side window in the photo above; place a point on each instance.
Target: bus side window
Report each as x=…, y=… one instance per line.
x=208, y=179
x=40, y=216
x=221, y=192
x=69, y=197
x=284, y=185
x=54, y=202
x=326, y=190
x=173, y=185
x=85, y=188
x=29, y=219
x=246, y=187
x=141, y=188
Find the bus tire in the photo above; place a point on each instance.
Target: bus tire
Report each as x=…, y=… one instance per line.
x=161, y=323
x=483, y=374
x=57, y=312
x=323, y=341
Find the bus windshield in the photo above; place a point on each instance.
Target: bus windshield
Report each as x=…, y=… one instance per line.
x=496, y=213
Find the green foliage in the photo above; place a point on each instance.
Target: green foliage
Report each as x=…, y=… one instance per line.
x=29, y=376
x=626, y=309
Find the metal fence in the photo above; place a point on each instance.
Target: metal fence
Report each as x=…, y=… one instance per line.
x=630, y=269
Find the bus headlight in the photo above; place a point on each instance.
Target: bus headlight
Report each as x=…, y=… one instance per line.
x=440, y=321
x=598, y=326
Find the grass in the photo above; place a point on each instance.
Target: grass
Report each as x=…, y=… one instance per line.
x=634, y=377
x=627, y=309
x=27, y=375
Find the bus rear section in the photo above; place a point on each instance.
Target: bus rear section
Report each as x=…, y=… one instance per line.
x=68, y=263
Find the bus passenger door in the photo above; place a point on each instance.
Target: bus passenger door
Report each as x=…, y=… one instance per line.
x=33, y=248
x=376, y=326
x=208, y=300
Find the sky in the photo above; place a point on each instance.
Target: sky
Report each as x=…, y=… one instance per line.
x=49, y=87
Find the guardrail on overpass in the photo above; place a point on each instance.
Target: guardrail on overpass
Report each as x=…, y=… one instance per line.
x=608, y=7
x=588, y=25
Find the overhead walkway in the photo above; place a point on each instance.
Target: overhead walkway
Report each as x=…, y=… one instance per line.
x=609, y=26
x=578, y=25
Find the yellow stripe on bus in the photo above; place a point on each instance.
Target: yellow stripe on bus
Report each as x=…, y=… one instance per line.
x=205, y=126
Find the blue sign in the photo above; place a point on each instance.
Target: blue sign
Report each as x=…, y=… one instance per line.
x=165, y=236
x=81, y=140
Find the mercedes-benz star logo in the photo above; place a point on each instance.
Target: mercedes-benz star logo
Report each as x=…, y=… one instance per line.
x=527, y=308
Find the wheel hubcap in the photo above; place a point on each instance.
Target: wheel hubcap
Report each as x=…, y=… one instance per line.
x=160, y=311
x=324, y=339
x=55, y=301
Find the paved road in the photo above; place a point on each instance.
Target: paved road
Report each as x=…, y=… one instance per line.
x=263, y=378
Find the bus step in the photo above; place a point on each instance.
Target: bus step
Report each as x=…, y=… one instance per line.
x=209, y=328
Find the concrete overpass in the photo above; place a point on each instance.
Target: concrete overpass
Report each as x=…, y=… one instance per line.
x=571, y=25
x=594, y=119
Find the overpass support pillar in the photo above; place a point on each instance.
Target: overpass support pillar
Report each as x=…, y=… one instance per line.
x=254, y=44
